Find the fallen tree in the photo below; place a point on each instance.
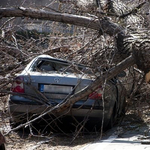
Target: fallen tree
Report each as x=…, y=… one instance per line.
x=131, y=48
x=101, y=24
x=65, y=104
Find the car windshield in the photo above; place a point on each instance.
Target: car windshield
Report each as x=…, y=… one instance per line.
x=49, y=65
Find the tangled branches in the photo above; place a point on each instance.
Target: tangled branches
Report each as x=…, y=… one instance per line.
x=100, y=50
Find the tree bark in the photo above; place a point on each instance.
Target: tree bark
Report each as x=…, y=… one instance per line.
x=101, y=24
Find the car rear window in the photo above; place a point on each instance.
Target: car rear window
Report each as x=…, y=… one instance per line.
x=46, y=65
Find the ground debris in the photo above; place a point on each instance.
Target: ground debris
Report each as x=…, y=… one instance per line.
x=39, y=144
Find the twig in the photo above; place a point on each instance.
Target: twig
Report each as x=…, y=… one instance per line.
x=39, y=144
x=133, y=11
x=12, y=18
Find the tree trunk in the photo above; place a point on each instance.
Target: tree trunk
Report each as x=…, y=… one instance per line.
x=101, y=24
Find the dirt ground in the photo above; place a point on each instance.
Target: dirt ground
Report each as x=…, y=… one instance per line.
x=23, y=140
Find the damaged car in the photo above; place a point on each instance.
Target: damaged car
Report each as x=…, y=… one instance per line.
x=48, y=81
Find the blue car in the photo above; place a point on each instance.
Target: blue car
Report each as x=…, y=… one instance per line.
x=47, y=81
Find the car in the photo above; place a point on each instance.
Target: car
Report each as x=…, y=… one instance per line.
x=48, y=81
